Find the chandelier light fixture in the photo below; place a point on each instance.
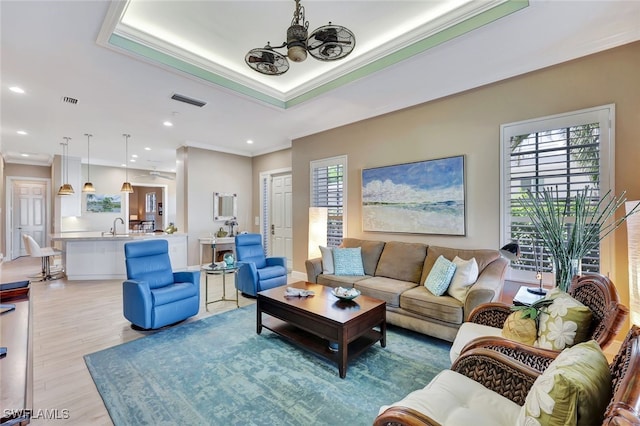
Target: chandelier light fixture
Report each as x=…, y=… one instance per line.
x=88, y=186
x=126, y=186
x=327, y=43
x=65, y=188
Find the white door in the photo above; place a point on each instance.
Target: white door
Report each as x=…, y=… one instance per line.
x=29, y=215
x=282, y=218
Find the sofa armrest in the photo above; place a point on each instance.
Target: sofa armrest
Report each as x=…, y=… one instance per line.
x=535, y=358
x=403, y=416
x=187, y=277
x=506, y=367
x=492, y=314
x=497, y=372
x=488, y=286
x=276, y=261
x=136, y=302
x=624, y=408
x=247, y=277
x=314, y=268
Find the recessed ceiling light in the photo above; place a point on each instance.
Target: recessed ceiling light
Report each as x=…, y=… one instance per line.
x=123, y=165
x=16, y=89
x=249, y=141
x=133, y=160
x=146, y=148
x=21, y=132
x=134, y=155
x=24, y=155
x=168, y=123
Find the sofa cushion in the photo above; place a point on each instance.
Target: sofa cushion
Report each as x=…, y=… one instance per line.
x=269, y=272
x=465, y=276
x=402, y=261
x=335, y=281
x=574, y=389
x=172, y=293
x=371, y=251
x=327, y=259
x=563, y=323
x=383, y=288
x=453, y=399
x=348, y=261
x=466, y=333
x=483, y=256
x=421, y=301
x=440, y=276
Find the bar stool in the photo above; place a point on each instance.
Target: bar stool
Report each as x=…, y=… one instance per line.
x=44, y=253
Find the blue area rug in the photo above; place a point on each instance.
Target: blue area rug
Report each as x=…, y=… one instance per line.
x=219, y=371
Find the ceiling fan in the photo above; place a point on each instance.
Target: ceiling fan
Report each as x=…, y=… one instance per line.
x=156, y=174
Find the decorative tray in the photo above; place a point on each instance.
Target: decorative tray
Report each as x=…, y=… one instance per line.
x=345, y=293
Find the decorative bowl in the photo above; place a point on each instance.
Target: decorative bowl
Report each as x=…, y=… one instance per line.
x=345, y=294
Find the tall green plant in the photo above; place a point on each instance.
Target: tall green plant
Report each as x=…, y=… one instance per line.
x=573, y=226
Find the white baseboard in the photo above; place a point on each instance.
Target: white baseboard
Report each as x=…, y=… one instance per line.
x=298, y=276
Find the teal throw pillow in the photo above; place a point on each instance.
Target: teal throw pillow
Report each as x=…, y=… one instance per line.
x=440, y=276
x=347, y=261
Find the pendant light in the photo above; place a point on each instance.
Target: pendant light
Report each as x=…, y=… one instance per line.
x=66, y=188
x=126, y=186
x=88, y=186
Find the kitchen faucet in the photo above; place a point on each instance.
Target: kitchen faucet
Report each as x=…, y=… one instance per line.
x=113, y=230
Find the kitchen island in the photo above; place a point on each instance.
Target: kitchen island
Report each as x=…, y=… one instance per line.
x=100, y=256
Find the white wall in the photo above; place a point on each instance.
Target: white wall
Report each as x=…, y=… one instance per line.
x=207, y=172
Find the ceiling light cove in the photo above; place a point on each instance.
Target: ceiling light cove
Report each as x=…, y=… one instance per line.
x=202, y=40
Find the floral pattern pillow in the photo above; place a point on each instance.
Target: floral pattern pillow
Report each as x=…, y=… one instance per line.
x=574, y=389
x=563, y=323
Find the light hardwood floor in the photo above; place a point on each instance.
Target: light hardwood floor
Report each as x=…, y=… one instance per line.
x=75, y=318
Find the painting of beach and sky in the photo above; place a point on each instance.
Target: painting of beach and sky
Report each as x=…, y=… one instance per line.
x=425, y=197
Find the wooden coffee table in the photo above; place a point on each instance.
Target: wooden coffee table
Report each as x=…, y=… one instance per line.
x=315, y=321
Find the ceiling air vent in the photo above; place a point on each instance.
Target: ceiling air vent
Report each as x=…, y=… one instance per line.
x=187, y=100
x=69, y=100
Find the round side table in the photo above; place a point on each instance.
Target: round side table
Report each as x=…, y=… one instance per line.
x=219, y=270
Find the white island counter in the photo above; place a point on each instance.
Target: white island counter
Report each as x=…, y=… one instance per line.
x=93, y=256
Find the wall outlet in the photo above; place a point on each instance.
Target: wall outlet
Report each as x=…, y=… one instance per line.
x=256, y=221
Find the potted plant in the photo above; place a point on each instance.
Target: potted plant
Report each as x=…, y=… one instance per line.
x=572, y=226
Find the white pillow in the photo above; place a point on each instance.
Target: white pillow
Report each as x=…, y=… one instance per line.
x=465, y=276
x=327, y=259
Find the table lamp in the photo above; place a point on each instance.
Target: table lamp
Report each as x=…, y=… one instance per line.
x=511, y=251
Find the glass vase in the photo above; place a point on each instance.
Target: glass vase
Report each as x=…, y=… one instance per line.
x=565, y=269
x=229, y=260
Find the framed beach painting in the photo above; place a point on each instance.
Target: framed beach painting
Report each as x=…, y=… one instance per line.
x=425, y=197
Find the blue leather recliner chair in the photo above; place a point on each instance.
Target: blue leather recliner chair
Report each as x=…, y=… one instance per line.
x=153, y=295
x=256, y=272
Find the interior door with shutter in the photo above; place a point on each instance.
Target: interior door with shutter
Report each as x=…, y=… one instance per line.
x=29, y=214
x=282, y=218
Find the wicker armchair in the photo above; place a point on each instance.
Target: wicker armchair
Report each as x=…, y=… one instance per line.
x=595, y=291
x=513, y=377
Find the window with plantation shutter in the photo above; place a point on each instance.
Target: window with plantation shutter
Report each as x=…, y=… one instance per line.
x=566, y=153
x=328, y=189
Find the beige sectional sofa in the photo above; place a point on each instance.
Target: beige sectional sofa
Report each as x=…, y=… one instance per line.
x=396, y=271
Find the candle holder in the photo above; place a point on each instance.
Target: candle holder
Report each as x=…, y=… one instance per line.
x=538, y=262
